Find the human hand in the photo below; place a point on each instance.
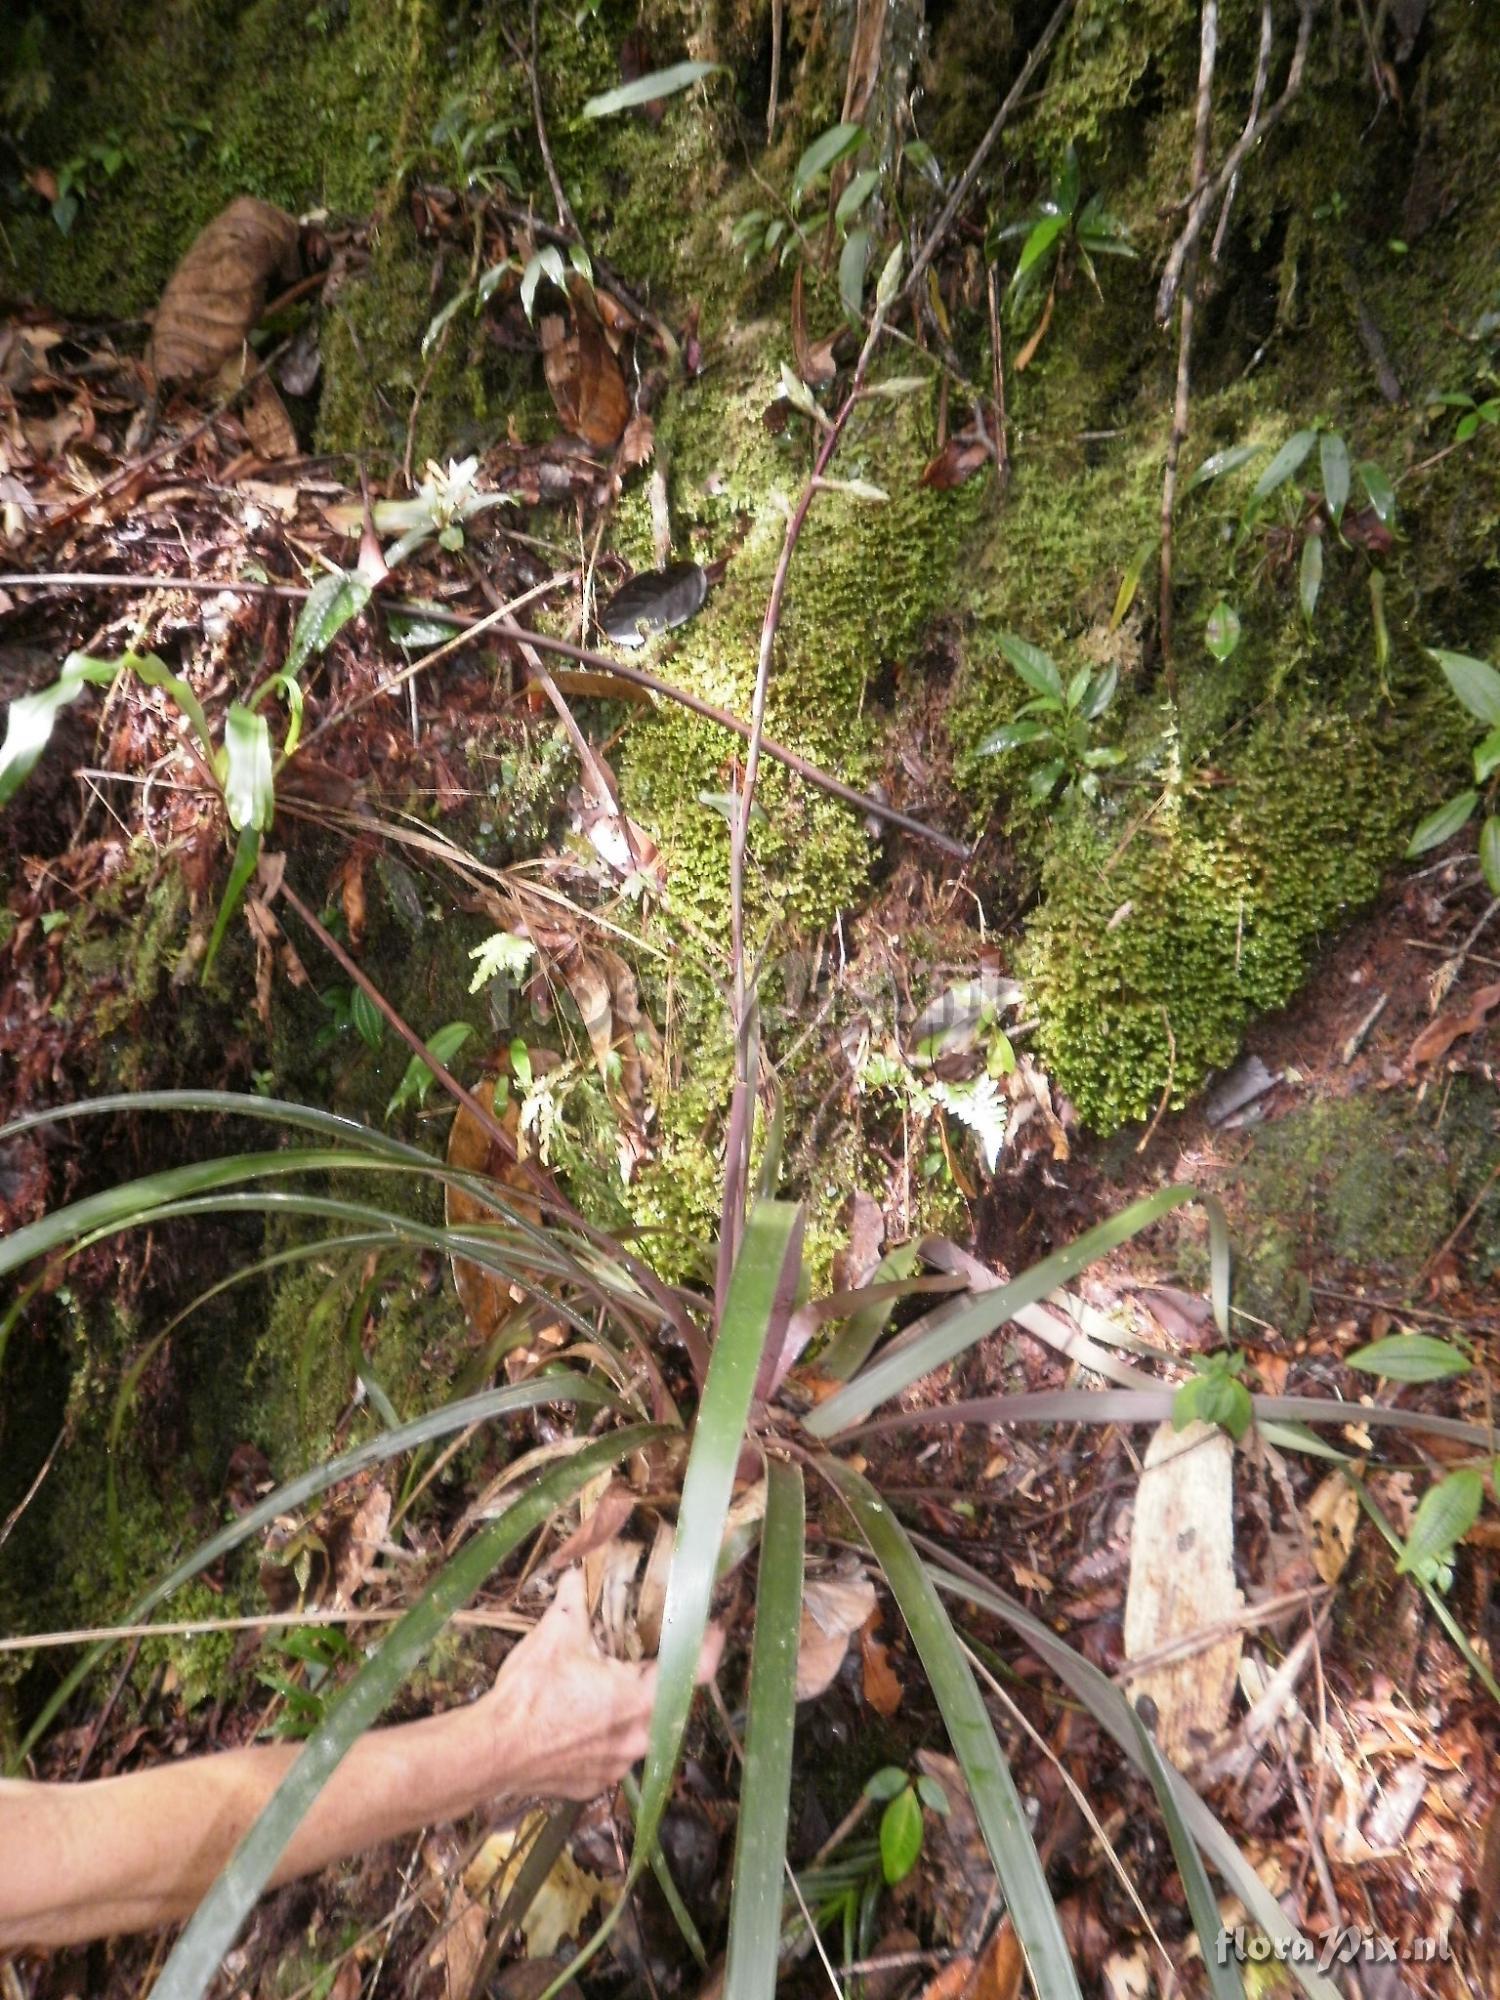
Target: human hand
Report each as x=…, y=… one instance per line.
x=567, y=1721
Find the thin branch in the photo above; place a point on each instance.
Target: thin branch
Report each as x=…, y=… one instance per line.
x=1207, y=199
x=468, y=627
x=564, y=212
x=1202, y=123
x=965, y=183
x=1257, y=99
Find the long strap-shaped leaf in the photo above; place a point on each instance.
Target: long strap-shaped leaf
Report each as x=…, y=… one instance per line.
x=997, y=1803
x=306, y=1486
x=766, y=1786
x=196, y=1957
x=955, y=1327
x=756, y=1309
x=1224, y=1979
x=1112, y=1711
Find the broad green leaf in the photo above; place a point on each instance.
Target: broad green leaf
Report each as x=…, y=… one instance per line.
x=900, y=1836
x=997, y=1804
x=1036, y=668
x=647, y=89
x=333, y=600
x=246, y=861
x=1130, y=582
x=369, y=1022
x=1101, y=692
x=766, y=1785
x=32, y=716
x=249, y=782
x=1333, y=462
x=1487, y=757
x=295, y=1493
x=1010, y=736
x=854, y=197
x=1036, y=247
x=800, y=396
x=756, y=1308
x=1110, y=1708
x=1382, y=495
x=825, y=151
x=1442, y=824
x=1478, y=1666
x=1489, y=852
x=196, y=1957
x=1222, y=632
x=1310, y=575
x=1219, y=462
x=884, y=1784
x=1224, y=1981
x=1475, y=682
x=1284, y=464
x=945, y=1334
x=853, y=261
x=416, y=1081
x=1044, y=778
x=1444, y=1516
x=1411, y=1357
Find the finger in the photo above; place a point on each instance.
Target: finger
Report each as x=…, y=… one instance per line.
x=710, y=1653
x=570, y=1606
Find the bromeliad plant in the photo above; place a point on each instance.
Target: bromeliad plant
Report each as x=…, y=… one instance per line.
x=741, y=1353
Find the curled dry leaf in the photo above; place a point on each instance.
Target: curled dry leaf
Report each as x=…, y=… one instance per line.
x=1332, y=1518
x=960, y=458
x=1435, y=1041
x=584, y=378
x=882, y=1687
x=265, y=418
x=833, y=1608
x=561, y=1906
x=218, y=291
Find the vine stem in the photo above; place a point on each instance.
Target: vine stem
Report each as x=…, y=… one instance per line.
x=742, y=1101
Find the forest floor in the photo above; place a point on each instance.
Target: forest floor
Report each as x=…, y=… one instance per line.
x=1354, y=1757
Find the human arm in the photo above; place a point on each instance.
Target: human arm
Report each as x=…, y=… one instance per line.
x=133, y=1852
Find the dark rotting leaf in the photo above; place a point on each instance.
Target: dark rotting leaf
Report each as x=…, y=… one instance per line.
x=653, y=602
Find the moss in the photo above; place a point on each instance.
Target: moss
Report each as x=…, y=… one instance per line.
x=1152, y=949
x=1367, y=1184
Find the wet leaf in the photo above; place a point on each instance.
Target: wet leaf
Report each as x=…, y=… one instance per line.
x=417, y=1080
x=1222, y=633
x=1310, y=575
x=249, y=786
x=853, y=262
x=1036, y=668
x=1284, y=464
x=654, y=601
x=1219, y=462
x=1489, y=853
x=331, y=603
x=1381, y=493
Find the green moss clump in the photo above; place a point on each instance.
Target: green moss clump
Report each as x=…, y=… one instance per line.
x=1150, y=953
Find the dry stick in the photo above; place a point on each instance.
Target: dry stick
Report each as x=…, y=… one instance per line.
x=1203, y=119
x=189, y=1628
x=468, y=627
x=776, y=13
x=1257, y=99
x=1207, y=199
x=543, y=1185
x=998, y=123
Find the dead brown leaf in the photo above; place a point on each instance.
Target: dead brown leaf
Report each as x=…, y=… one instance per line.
x=833, y=1608
x=584, y=378
x=961, y=457
x=1333, y=1516
x=1436, y=1039
x=999, y=1971
x=218, y=291
x=882, y=1686
x=485, y=1297
x=638, y=443
x=265, y=418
